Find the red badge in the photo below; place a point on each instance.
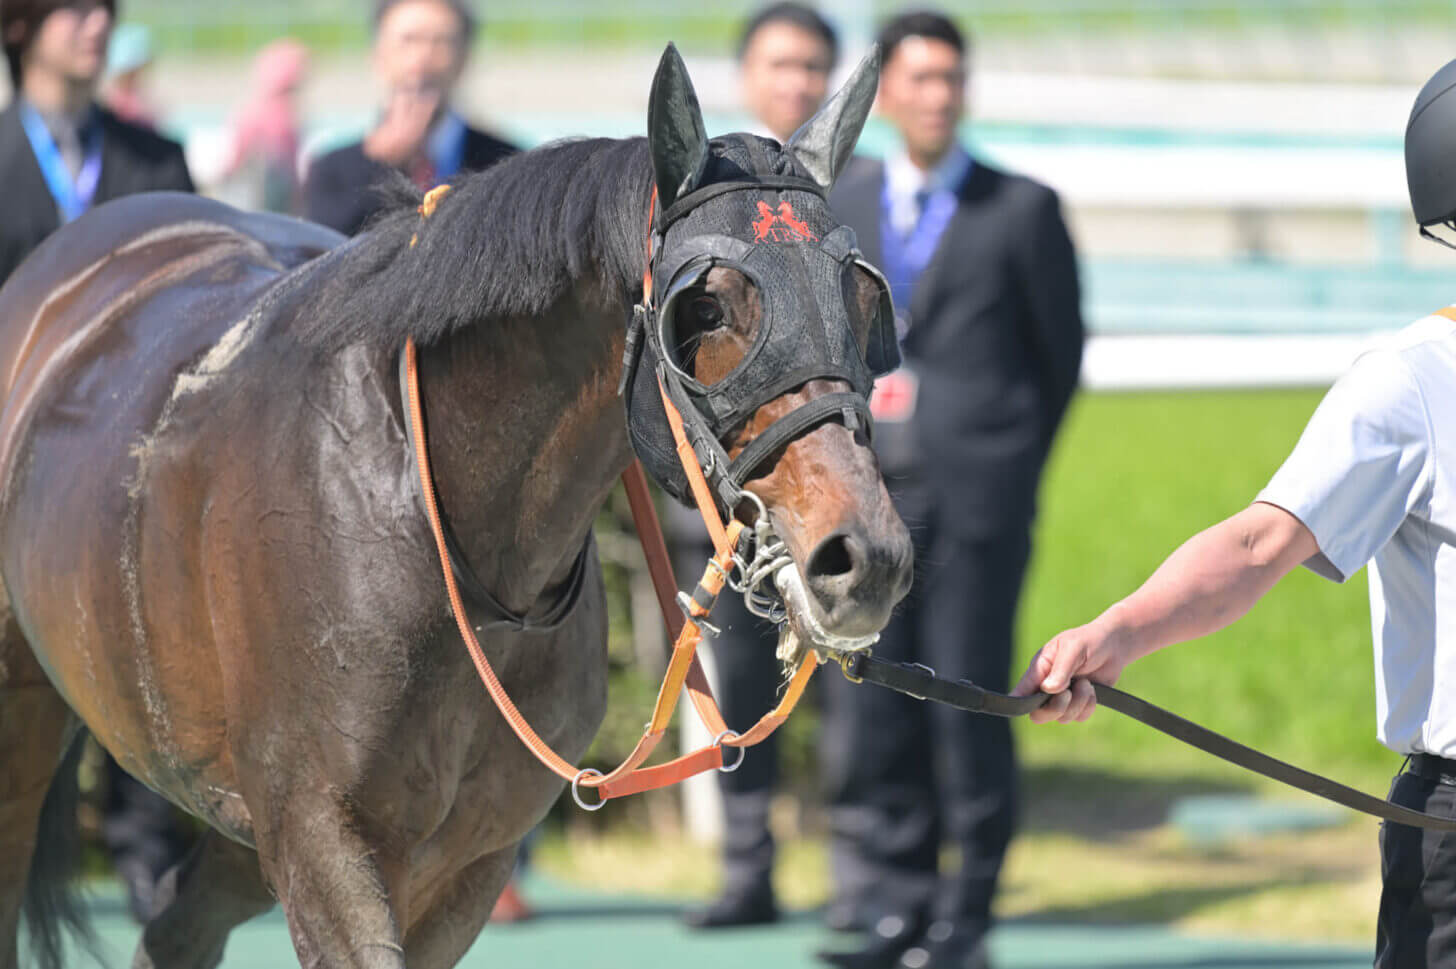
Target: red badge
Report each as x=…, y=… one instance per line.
x=893, y=399
x=782, y=226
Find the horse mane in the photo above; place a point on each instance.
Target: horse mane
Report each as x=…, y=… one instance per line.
x=510, y=241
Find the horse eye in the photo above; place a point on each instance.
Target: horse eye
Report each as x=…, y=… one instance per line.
x=707, y=311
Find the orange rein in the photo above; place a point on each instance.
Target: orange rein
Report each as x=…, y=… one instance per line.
x=683, y=669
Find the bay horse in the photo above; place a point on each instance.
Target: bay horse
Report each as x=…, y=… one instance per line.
x=216, y=561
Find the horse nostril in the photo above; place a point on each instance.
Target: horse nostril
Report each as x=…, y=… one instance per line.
x=831, y=558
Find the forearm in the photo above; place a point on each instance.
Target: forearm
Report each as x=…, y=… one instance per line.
x=1211, y=580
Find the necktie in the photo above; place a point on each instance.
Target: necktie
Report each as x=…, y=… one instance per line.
x=922, y=199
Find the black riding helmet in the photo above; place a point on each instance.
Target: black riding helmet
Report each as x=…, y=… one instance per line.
x=1430, y=151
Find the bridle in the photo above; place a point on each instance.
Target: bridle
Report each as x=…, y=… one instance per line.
x=750, y=554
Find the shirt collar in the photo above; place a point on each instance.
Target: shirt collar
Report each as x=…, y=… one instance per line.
x=64, y=127
x=904, y=179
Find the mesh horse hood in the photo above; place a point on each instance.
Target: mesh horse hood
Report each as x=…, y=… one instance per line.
x=748, y=204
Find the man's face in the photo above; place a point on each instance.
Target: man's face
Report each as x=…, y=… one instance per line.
x=785, y=73
x=923, y=93
x=71, y=42
x=419, y=47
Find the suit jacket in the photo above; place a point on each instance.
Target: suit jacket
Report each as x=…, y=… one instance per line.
x=995, y=340
x=133, y=159
x=340, y=189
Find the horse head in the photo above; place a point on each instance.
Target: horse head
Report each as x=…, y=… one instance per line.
x=765, y=328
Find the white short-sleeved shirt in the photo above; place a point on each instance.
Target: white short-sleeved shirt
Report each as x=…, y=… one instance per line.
x=1374, y=477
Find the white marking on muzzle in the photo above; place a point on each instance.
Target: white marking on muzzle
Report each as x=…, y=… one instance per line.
x=804, y=621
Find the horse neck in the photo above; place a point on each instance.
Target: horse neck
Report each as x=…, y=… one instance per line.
x=526, y=437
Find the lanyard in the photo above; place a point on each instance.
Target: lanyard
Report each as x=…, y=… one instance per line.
x=907, y=257
x=73, y=196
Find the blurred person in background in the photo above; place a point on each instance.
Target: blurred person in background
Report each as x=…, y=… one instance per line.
x=984, y=278
x=265, y=133
x=420, y=49
x=129, y=57
x=60, y=154
x=785, y=55
x=1370, y=481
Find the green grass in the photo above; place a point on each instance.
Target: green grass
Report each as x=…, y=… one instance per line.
x=1133, y=476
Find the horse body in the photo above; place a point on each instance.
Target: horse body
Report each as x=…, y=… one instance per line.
x=94, y=378
x=216, y=558
x=189, y=408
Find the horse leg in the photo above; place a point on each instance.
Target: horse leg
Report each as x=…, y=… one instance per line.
x=218, y=886
x=339, y=884
x=441, y=936
x=33, y=720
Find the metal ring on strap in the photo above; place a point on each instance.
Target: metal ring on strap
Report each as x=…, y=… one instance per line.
x=745, y=495
x=576, y=790
x=718, y=742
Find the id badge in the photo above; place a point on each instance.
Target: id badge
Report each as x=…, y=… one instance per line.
x=893, y=399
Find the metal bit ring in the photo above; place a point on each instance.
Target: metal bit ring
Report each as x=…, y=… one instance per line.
x=576, y=790
x=718, y=742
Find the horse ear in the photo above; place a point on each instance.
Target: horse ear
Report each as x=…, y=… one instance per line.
x=826, y=141
x=675, y=132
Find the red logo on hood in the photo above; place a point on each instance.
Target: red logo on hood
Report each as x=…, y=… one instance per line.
x=782, y=226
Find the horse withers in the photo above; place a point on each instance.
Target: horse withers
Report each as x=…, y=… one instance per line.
x=212, y=538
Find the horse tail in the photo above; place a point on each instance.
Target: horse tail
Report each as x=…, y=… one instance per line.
x=50, y=906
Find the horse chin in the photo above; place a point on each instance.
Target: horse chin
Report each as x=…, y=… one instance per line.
x=806, y=628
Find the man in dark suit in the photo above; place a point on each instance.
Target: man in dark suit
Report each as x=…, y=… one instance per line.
x=60, y=154
x=420, y=48
x=985, y=283
x=786, y=53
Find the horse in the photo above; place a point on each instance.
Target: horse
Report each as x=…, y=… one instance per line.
x=215, y=558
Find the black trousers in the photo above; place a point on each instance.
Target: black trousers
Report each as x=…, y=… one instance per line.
x=749, y=678
x=903, y=776
x=1417, y=924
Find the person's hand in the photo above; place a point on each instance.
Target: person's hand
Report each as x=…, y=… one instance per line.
x=399, y=138
x=1066, y=668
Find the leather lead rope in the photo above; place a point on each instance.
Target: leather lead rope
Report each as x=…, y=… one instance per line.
x=918, y=682
x=683, y=670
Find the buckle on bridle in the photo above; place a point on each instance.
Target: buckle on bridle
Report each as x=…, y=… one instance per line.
x=632, y=348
